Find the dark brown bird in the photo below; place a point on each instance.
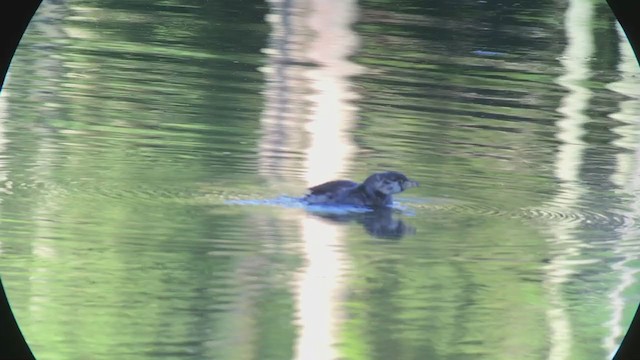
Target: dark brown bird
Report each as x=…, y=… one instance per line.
x=374, y=192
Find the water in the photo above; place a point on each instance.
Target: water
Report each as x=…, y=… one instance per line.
x=150, y=156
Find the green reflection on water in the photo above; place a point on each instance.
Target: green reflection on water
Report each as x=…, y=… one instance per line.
x=127, y=127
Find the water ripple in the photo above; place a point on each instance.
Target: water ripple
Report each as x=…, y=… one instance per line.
x=582, y=216
x=462, y=208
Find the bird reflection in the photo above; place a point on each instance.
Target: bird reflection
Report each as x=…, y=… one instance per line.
x=379, y=223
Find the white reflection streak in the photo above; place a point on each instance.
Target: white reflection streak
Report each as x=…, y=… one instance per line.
x=320, y=283
x=567, y=168
x=626, y=177
x=319, y=288
x=5, y=186
x=332, y=113
x=318, y=32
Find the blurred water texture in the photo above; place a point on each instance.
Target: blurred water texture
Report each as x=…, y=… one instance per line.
x=151, y=154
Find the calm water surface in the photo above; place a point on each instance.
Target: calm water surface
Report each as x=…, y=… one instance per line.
x=147, y=153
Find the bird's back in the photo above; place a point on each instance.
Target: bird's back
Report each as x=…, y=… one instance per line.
x=330, y=192
x=332, y=187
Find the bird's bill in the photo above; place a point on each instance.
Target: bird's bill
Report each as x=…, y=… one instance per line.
x=409, y=184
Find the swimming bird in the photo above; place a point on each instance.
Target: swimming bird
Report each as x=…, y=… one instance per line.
x=376, y=191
